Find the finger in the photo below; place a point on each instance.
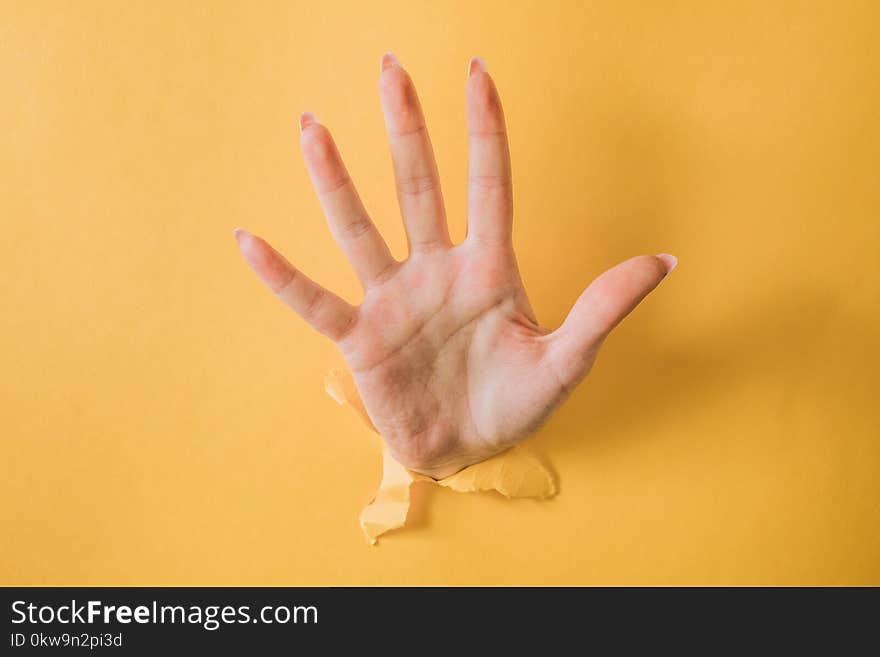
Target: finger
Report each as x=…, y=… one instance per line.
x=418, y=184
x=326, y=312
x=601, y=307
x=349, y=223
x=490, y=192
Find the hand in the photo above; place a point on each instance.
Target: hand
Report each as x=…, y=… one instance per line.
x=445, y=349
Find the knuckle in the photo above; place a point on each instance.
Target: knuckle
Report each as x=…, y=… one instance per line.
x=314, y=304
x=386, y=273
x=348, y=327
x=357, y=228
x=417, y=184
x=498, y=181
x=283, y=286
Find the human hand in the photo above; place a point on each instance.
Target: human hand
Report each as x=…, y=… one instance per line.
x=445, y=349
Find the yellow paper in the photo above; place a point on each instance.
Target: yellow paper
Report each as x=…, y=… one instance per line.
x=513, y=473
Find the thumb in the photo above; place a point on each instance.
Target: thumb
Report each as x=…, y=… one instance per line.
x=601, y=307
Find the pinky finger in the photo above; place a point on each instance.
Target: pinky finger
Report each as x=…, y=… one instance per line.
x=323, y=310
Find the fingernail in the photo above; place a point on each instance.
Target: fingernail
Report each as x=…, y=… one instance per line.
x=305, y=120
x=477, y=64
x=669, y=260
x=389, y=60
x=240, y=234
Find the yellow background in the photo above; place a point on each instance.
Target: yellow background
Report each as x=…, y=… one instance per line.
x=163, y=418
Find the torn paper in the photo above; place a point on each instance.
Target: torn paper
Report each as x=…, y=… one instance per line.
x=513, y=473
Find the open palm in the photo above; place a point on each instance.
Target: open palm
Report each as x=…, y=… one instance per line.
x=445, y=349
